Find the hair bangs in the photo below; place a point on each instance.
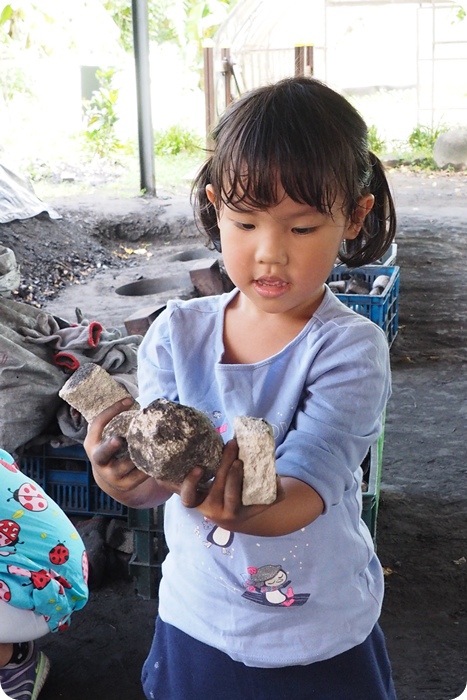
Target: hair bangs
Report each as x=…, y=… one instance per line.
x=252, y=164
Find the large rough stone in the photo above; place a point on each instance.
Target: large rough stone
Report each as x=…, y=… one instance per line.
x=451, y=149
x=167, y=440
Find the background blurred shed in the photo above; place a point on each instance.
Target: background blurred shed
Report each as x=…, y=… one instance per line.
x=399, y=61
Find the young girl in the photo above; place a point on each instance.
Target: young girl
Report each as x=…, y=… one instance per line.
x=43, y=578
x=278, y=601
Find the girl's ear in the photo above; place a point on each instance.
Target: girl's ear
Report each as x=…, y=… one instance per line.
x=363, y=208
x=210, y=194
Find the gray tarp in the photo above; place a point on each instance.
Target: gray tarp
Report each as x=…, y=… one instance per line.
x=29, y=381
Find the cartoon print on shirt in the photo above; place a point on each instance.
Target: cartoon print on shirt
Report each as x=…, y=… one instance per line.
x=5, y=593
x=40, y=579
x=30, y=497
x=9, y=536
x=215, y=418
x=11, y=466
x=218, y=536
x=268, y=585
x=59, y=554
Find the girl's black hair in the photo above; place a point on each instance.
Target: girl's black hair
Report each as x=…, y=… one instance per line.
x=312, y=138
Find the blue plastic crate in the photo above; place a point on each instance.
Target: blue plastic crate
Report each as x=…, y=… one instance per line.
x=388, y=259
x=65, y=474
x=390, y=256
x=382, y=309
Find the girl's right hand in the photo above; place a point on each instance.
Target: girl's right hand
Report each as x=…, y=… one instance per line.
x=113, y=473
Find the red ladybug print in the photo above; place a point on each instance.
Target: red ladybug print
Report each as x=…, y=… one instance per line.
x=64, y=623
x=11, y=467
x=9, y=533
x=30, y=497
x=61, y=580
x=59, y=554
x=5, y=593
x=40, y=579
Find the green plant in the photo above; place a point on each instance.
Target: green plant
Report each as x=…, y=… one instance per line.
x=376, y=143
x=15, y=81
x=161, y=27
x=101, y=116
x=176, y=139
x=423, y=138
x=461, y=12
x=420, y=146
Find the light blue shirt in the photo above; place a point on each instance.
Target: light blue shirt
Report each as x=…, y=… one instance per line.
x=298, y=598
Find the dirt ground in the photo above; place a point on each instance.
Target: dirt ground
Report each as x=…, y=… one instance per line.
x=422, y=521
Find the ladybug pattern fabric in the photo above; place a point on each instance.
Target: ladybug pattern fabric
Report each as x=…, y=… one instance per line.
x=43, y=561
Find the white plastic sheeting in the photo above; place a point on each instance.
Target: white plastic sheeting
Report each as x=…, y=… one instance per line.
x=18, y=201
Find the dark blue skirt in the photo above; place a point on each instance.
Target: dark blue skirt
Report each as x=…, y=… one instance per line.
x=181, y=668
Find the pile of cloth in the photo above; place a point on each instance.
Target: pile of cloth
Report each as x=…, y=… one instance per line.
x=38, y=353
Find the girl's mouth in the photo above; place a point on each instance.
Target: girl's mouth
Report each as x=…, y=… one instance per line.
x=270, y=287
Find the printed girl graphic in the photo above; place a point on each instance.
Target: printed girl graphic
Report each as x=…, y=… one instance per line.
x=268, y=585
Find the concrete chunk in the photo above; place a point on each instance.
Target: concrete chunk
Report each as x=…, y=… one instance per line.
x=257, y=451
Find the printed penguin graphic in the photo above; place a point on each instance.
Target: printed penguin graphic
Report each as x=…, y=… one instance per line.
x=217, y=536
x=268, y=585
x=220, y=537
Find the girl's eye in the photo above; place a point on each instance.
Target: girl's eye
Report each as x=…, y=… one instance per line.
x=302, y=231
x=245, y=227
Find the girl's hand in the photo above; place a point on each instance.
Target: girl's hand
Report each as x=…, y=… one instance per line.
x=221, y=499
x=112, y=473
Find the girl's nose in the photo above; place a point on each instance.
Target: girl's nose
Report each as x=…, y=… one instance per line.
x=271, y=249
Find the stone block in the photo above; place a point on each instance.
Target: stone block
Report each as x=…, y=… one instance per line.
x=139, y=322
x=451, y=149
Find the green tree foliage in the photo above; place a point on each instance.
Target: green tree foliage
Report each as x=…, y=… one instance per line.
x=101, y=117
x=461, y=11
x=161, y=25
x=171, y=20
x=19, y=22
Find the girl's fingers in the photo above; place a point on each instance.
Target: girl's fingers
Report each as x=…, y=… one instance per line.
x=103, y=452
x=222, y=496
x=233, y=487
x=229, y=455
x=191, y=493
x=100, y=421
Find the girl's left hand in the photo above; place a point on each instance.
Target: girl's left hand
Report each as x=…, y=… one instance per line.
x=221, y=499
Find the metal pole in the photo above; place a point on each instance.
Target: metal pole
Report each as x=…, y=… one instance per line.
x=299, y=60
x=227, y=73
x=209, y=98
x=139, y=10
x=304, y=59
x=310, y=60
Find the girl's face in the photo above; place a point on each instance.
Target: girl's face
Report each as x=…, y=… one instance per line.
x=280, y=257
